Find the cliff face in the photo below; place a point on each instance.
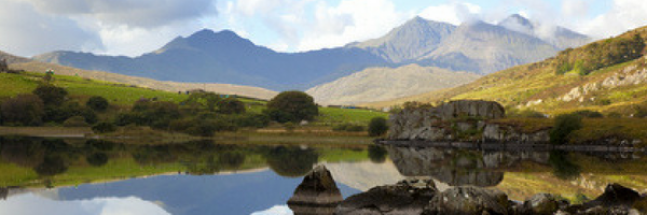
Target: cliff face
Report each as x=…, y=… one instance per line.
x=464, y=120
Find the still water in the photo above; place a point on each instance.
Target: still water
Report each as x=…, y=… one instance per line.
x=54, y=176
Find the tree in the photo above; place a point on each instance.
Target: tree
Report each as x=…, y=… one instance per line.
x=377, y=127
x=231, y=106
x=97, y=103
x=292, y=106
x=50, y=94
x=563, y=125
x=24, y=109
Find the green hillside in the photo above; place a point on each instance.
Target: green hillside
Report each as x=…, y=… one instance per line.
x=123, y=96
x=608, y=76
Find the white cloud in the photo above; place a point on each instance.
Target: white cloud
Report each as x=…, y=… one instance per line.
x=133, y=13
x=27, y=32
x=623, y=16
x=349, y=21
x=453, y=13
x=276, y=210
x=575, y=8
x=24, y=205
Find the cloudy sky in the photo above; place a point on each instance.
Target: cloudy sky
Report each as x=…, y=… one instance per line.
x=134, y=27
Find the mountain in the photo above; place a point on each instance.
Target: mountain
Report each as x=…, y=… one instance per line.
x=612, y=84
x=559, y=37
x=408, y=42
x=380, y=84
x=225, y=57
x=20, y=63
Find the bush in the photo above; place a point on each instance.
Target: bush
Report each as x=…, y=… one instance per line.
x=24, y=109
x=252, y=120
x=377, y=127
x=104, y=127
x=563, y=125
x=97, y=103
x=97, y=159
x=231, y=106
x=292, y=106
x=50, y=94
x=63, y=112
x=75, y=121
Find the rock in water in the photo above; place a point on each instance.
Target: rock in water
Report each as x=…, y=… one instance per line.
x=468, y=200
x=406, y=197
x=317, y=194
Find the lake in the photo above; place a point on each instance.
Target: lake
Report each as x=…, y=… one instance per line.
x=58, y=176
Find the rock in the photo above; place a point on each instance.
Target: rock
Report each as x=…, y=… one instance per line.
x=616, y=199
x=469, y=200
x=433, y=124
x=542, y=204
x=406, y=197
x=317, y=193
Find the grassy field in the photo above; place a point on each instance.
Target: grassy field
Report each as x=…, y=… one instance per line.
x=123, y=96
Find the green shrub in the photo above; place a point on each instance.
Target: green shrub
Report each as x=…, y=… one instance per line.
x=75, y=121
x=24, y=109
x=563, y=125
x=50, y=94
x=377, y=127
x=97, y=103
x=231, y=106
x=292, y=106
x=104, y=127
x=97, y=159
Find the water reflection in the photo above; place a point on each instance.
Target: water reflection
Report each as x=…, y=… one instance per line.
x=457, y=167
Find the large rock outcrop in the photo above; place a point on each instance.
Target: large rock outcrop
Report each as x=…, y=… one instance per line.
x=317, y=194
x=464, y=120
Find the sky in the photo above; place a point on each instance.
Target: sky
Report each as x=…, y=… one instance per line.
x=135, y=27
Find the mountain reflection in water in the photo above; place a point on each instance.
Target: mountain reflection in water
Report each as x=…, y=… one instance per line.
x=204, y=177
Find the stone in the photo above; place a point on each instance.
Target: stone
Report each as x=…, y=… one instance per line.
x=432, y=124
x=469, y=200
x=616, y=194
x=405, y=197
x=317, y=193
x=542, y=204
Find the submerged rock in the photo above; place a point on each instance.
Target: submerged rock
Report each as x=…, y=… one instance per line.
x=317, y=194
x=406, y=197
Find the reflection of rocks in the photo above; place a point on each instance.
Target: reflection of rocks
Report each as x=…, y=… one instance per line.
x=459, y=167
x=317, y=194
x=406, y=197
x=4, y=192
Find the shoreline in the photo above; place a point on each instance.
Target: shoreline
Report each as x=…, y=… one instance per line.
x=512, y=146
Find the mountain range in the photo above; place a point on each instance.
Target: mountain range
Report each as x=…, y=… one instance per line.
x=225, y=57
x=616, y=88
